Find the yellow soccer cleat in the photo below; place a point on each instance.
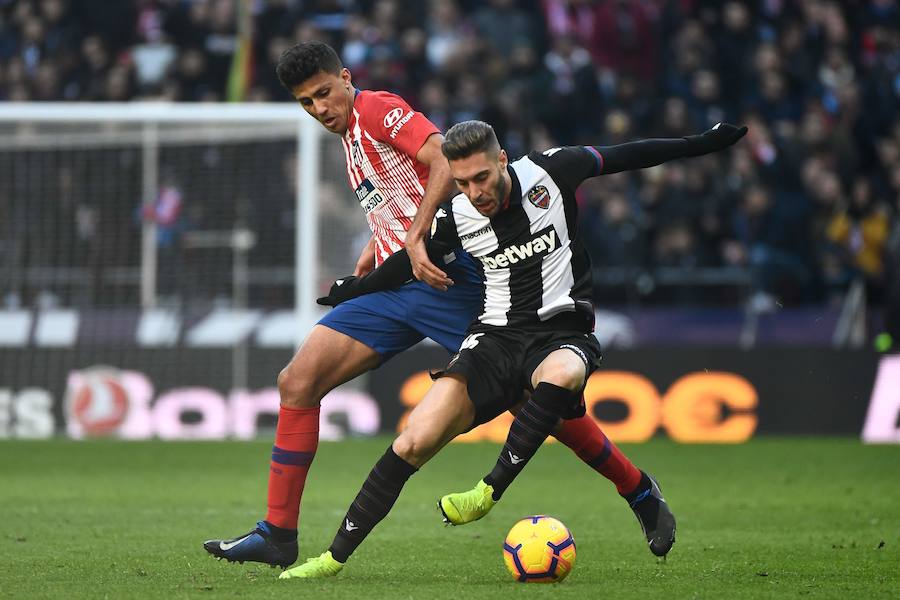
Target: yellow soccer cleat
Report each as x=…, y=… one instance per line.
x=321, y=566
x=465, y=507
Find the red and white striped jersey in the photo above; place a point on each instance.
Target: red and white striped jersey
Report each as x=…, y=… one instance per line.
x=383, y=137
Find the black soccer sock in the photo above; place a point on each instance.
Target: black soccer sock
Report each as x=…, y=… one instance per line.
x=529, y=429
x=644, y=502
x=640, y=491
x=378, y=494
x=280, y=534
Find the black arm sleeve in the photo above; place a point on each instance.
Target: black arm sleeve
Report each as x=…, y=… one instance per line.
x=649, y=153
x=641, y=154
x=397, y=270
x=393, y=272
x=570, y=165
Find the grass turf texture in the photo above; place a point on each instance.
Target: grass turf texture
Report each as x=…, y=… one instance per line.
x=772, y=518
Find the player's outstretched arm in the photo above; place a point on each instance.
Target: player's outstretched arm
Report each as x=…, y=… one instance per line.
x=651, y=152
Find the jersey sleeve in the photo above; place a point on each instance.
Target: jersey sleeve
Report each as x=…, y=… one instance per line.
x=392, y=121
x=570, y=165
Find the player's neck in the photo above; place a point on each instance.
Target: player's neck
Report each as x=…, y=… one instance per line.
x=507, y=189
x=352, y=93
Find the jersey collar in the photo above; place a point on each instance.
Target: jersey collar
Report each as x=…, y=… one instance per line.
x=515, y=189
x=351, y=118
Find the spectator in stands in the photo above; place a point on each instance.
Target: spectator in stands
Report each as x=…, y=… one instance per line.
x=615, y=237
x=859, y=230
x=571, y=18
x=624, y=39
x=706, y=104
x=771, y=244
x=891, y=339
x=504, y=26
x=574, y=93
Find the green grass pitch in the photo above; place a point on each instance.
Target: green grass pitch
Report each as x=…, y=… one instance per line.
x=782, y=518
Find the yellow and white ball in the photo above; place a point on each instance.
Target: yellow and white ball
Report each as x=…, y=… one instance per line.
x=539, y=549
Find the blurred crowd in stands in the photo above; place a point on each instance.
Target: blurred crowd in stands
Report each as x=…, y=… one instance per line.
x=807, y=203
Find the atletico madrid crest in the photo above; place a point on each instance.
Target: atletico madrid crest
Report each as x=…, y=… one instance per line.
x=357, y=153
x=539, y=196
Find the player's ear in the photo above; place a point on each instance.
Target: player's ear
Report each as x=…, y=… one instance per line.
x=502, y=158
x=347, y=77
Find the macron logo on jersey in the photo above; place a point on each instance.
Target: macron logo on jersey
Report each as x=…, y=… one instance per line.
x=483, y=231
x=544, y=242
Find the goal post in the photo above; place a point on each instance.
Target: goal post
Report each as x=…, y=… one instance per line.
x=35, y=131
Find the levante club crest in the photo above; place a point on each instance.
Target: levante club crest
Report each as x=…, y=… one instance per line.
x=539, y=196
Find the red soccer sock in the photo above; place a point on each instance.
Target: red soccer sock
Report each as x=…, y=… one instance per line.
x=296, y=440
x=588, y=441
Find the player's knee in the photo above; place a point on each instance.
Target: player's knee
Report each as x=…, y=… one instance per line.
x=414, y=447
x=569, y=375
x=297, y=389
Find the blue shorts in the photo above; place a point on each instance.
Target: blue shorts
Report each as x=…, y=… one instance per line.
x=390, y=322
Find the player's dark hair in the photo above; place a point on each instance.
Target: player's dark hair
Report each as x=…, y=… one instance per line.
x=469, y=137
x=301, y=61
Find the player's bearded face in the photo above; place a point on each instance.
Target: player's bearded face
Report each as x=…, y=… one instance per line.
x=328, y=98
x=482, y=178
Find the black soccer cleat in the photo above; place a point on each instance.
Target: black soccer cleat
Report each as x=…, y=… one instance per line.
x=657, y=521
x=257, y=546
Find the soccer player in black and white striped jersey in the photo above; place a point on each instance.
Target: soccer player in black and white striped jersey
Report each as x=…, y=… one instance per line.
x=534, y=332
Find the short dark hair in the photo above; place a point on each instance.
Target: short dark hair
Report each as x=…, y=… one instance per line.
x=466, y=138
x=301, y=61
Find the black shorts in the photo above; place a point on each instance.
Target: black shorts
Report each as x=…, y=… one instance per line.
x=498, y=364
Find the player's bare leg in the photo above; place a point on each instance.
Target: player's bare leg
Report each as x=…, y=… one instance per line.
x=444, y=413
x=326, y=359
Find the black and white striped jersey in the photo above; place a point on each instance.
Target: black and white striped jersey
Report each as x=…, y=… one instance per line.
x=533, y=264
